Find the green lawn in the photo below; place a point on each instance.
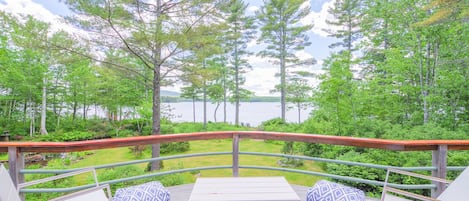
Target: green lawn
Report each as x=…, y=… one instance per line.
x=3, y=156
x=123, y=154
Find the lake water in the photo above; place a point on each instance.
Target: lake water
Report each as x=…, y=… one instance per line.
x=252, y=113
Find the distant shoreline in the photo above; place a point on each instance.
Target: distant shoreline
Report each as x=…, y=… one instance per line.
x=175, y=99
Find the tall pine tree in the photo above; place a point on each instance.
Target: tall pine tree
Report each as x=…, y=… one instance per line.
x=241, y=30
x=283, y=35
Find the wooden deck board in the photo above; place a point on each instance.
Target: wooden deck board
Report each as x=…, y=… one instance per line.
x=182, y=192
x=243, y=189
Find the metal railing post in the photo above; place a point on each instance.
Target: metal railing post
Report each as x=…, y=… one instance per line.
x=439, y=160
x=235, y=155
x=16, y=163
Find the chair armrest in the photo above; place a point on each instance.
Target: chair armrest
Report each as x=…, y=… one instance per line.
x=421, y=176
x=97, y=194
x=60, y=176
x=387, y=188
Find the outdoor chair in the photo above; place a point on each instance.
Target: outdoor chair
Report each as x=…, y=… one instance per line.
x=325, y=190
x=10, y=193
x=456, y=191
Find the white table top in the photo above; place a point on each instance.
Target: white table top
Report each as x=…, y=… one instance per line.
x=243, y=189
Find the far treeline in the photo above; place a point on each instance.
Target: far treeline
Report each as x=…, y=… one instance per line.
x=175, y=99
x=396, y=66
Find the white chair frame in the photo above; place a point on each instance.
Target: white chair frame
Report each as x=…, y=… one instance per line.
x=70, y=196
x=387, y=188
x=455, y=191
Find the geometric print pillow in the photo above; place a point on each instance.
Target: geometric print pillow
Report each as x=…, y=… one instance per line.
x=329, y=191
x=151, y=191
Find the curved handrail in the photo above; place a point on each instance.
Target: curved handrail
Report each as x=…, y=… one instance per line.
x=397, y=145
x=439, y=148
x=322, y=174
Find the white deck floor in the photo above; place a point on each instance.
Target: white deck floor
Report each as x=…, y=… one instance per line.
x=183, y=192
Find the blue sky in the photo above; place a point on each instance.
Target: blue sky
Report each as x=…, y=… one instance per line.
x=54, y=6
x=260, y=79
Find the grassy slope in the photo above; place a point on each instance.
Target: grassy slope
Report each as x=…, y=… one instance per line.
x=123, y=154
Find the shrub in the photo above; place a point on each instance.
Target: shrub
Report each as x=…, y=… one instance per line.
x=171, y=179
x=119, y=172
x=174, y=147
x=356, y=171
x=149, y=166
x=66, y=137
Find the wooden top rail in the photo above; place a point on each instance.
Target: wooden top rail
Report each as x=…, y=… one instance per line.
x=397, y=145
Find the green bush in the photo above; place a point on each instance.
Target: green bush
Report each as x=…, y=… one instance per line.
x=187, y=127
x=148, y=168
x=356, y=171
x=66, y=137
x=60, y=183
x=174, y=147
x=279, y=125
x=14, y=127
x=171, y=179
x=119, y=172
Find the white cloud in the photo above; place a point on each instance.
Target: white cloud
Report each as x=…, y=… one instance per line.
x=319, y=19
x=252, y=43
x=28, y=7
x=252, y=8
x=305, y=4
x=303, y=55
x=261, y=80
x=320, y=62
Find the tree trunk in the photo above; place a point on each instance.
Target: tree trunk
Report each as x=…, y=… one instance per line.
x=193, y=108
x=25, y=111
x=84, y=104
x=155, y=148
x=205, y=106
x=10, y=109
x=282, y=87
x=75, y=105
x=236, y=66
x=43, y=129
x=283, y=73
x=299, y=112
x=32, y=117
x=205, y=100
x=224, y=95
x=215, y=112
x=54, y=97
x=423, y=90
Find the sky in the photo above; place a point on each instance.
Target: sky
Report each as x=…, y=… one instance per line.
x=261, y=79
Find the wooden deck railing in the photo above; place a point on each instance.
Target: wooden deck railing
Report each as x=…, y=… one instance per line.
x=439, y=148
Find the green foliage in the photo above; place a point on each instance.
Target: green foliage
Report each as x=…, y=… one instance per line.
x=277, y=124
x=347, y=15
x=13, y=127
x=357, y=171
x=428, y=131
x=198, y=127
x=174, y=147
x=148, y=168
x=114, y=173
x=335, y=97
x=283, y=34
x=171, y=179
x=68, y=136
x=60, y=183
x=291, y=162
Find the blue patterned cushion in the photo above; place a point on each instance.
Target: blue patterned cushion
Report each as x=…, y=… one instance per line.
x=329, y=191
x=151, y=191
